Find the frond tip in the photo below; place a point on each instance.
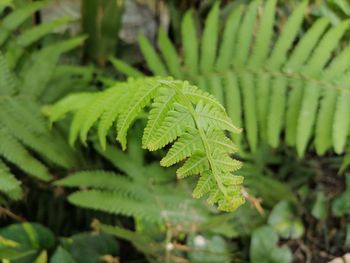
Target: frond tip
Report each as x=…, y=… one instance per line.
x=196, y=123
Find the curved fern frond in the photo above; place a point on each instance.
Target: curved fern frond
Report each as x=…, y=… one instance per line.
x=195, y=122
x=272, y=83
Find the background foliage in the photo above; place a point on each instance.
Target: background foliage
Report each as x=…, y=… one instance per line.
x=281, y=70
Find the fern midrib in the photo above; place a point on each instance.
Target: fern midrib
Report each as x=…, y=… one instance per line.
x=328, y=84
x=203, y=139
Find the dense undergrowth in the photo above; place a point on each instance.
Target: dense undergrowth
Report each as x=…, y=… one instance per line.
x=245, y=101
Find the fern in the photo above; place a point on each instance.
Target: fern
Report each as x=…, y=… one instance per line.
x=8, y=183
x=174, y=115
x=24, y=77
x=145, y=193
x=292, y=83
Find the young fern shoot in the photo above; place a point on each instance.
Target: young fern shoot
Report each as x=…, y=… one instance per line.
x=180, y=113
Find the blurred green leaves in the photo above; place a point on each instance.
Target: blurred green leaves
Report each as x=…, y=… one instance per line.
x=31, y=242
x=319, y=209
x=25, y=242
x=208, y=249
x=341, y=204
x=284, y=221
x=264, y=248
x=101, y=21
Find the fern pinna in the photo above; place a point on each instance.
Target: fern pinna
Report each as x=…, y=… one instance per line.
x=292, y=83
x=25, y=74
x=179, y=112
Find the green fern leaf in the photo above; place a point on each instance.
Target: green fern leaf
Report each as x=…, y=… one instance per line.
x=153, y=60
x=186, y=146
x=160, y=107
x=227, y=47
x=16, y=18
x=14, y=152
x=341, y=122
x=226, y=163
x=7, y=81
x=104, y=180
x=209, y=40
x=113, y=202
x=294, y=64
x=169, y=54
x=263, y=38
x=245, y=34
x=196, y=164
x=209, y=116
x=279, y=86
x=9, y=184
x=204, y=185
x=34, y=34
x=70, y=103
x=310, y=101
x=110, y=115
x=174, y=125
x=42, y=66
x=221, y=142
x=138, y=101
x=190, y=42
x=125, y=68
x=324, y=122
x=180, y=118
x=254, y=82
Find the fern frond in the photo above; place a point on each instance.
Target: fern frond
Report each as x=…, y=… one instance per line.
x=104, y=180
x=300, y=54
x=137, y=102
x=341, y=120
x=169, y=53
x=314, y=68
x=325, y=119
x=221, y=142
x=37, y=136
x=32, y=35
x=183, y=148
x=43, y=64
x=210, y=40
x=196, y=164
x=25, y=71
x=160, y=107
x=125, y=68
x=16, y=18
x=8, y=183
x=7, y=81
x=113, y=202
x=272, y=83
x=109, y=116
x=174, y=125
x=14, y=152
x=229, y=37
x=190, y=42
x=153, y=60
x=204, y=185
x=210, y=116
x=197, y=125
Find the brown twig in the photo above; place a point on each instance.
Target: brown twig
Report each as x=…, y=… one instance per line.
x=7, y=212
x=256, y=202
